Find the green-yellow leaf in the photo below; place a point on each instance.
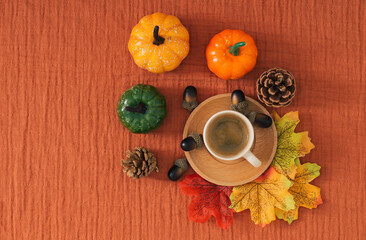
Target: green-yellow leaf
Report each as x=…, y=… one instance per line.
x=290, y=145
x=305, y=194
x=262, y=196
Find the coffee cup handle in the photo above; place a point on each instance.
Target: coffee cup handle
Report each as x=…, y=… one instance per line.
x=252, y=159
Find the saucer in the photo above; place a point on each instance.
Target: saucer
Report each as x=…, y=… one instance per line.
x=237, y=172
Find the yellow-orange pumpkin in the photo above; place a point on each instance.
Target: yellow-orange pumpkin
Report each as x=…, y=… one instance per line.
x=159, y=43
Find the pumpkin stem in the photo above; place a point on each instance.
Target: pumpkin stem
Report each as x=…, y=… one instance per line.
x=157, y=39
x=234, y=50
x=140, y=108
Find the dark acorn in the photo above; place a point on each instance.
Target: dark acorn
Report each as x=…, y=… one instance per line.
x=190, y=98
x=237, y=96
x=175, y=173
x=177, y=170
x=190, y=94
x=188, y=144
x=262, y=120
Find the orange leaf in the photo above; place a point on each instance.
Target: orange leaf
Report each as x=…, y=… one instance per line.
x=262, y=196
x=305, y=194
x=290, y=145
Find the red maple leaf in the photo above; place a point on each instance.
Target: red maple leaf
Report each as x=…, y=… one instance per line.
x=208, y=200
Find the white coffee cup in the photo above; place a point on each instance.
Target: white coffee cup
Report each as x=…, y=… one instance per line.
x=245, y=152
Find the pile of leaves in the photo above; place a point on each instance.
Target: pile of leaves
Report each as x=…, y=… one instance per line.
x=279, y=192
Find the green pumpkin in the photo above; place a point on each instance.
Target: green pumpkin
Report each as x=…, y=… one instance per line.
x=141, y=108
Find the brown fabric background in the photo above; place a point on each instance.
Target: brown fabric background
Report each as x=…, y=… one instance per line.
x=64, y=65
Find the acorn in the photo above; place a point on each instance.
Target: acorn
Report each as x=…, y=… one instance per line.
x=178, y=168
x=260, y=119
x=188, y=144
x=238, y=102
x=263, y=120
x=193, y=141
x=190, y=98
x=190, y=94
x=237, y=96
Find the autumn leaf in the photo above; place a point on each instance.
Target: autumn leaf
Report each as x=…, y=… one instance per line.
x=208, y=200
x=262, y=196
x=290, y=145
x=305, y=194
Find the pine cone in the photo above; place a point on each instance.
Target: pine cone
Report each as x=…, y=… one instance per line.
x=139, y=163
x=276, y=87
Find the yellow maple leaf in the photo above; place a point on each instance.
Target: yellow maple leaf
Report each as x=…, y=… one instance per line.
x=290, y=145
x=262, y=196
x=305, y=194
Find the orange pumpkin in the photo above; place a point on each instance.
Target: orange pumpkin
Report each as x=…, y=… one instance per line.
x=159, y=43
x=231, y=54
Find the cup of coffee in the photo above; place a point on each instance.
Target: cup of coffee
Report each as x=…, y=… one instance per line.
x=229, y=135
